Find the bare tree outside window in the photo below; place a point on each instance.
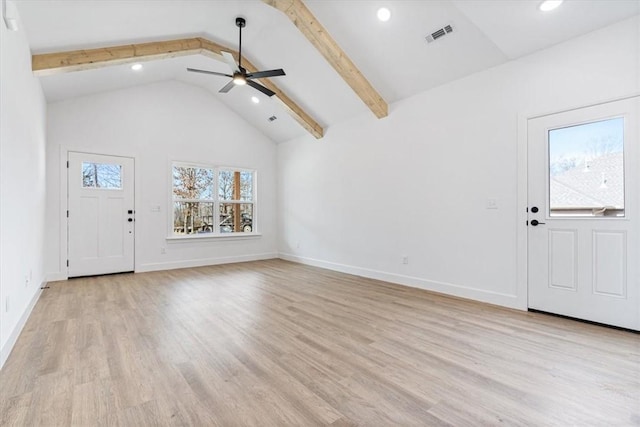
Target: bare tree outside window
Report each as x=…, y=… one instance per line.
x=101, y=175
x=246, y=186
x=225, y=185
x=193, y=200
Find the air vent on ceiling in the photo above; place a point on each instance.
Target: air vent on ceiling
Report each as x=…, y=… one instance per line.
x=272, y=118
x=441, y=32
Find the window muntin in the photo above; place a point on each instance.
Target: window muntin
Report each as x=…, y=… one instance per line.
x=586, y=169
x=195, y=200
x=106, y=176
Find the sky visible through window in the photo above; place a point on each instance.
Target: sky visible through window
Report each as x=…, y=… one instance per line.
x=586, y=167
x=586, y=141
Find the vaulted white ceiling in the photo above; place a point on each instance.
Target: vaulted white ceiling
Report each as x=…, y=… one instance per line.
x=394, y=56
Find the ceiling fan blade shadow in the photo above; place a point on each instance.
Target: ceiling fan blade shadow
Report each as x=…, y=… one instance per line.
x=268, y=73
x=195, y=70
x=261, y=88
x=227, y=87
x=228, y=58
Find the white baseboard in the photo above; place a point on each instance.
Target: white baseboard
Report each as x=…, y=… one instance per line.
x=505, y=300
x=8, y=346
x=172, y=265
x=56, y=277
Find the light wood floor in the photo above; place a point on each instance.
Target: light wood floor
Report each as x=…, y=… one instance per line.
x=273, y=343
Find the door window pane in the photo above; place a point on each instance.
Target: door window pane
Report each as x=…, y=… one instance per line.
x=101, y=175
x=586, y=169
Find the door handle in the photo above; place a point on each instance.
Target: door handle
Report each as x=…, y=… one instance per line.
x=535, y=222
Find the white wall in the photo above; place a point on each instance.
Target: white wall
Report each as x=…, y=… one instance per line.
x=157, y=124
x=416, y=183
x=22, y=185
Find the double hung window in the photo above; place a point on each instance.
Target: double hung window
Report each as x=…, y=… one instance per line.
x=212, y=200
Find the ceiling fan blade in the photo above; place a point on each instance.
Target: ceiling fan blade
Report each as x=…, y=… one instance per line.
x=261, y=88
x=268, y=73
x=195, y=70
x=227, y=87
x=228, y=58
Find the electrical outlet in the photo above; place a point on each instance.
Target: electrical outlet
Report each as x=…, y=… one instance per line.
x=6, y=305
x=405, y=259
x=297, y=245
x=26, y=280
x=163, y=251
x=492, y=204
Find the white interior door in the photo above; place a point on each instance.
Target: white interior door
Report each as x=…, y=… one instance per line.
x=100, y=214
x=583, y=228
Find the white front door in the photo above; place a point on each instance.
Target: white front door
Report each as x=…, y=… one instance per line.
x=584, y=213
x=100, y=214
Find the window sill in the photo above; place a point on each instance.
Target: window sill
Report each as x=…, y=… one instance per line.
x=225, y=236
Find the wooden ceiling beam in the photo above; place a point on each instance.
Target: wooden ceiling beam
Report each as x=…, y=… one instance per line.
x=48, y=64
x=309, y=25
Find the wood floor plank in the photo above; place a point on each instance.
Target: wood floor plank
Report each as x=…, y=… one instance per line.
x=276, y=343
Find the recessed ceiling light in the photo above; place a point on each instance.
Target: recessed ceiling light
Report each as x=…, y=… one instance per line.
x=548, y=5
x=255, y=99
x=384, y=14
x=136, y=67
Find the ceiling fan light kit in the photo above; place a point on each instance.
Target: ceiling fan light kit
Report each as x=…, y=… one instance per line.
x=239, y=76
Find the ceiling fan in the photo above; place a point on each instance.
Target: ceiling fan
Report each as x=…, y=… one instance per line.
x=240, y=76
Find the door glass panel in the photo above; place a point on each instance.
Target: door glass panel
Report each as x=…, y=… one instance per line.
x=102, y=175
x=586, y=169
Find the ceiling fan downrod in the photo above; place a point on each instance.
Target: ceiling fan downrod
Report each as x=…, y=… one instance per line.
x=240, y=23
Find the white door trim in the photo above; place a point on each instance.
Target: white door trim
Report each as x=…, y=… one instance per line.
x=522, y=286
x=63, y=155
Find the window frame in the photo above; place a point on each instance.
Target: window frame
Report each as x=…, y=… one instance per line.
x=216, y=200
